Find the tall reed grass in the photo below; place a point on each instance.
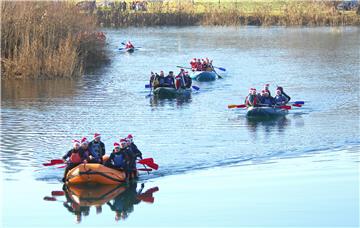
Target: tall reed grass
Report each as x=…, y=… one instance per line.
x=261, y=13
x=46, y=40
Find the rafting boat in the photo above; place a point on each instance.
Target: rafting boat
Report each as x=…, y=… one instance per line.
x=167, y=92
x=203, y=76
x=96, y=174
x=93, y=195
x=265, y=112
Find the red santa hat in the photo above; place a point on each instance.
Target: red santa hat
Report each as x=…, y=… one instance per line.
x=84, y=141
x=122, y=141
x=116, y=144
x=76, y=142
x=97, y=135
x=129, y=136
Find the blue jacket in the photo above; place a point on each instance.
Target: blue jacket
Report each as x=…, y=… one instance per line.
x=280, y=100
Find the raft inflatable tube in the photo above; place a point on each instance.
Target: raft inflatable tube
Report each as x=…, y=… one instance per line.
x=95, y=174
x=93, y=195
x=167, y=92
x=265, y=112
x=203, y=76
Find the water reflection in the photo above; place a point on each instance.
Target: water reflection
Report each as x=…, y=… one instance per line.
x=178, y=101
x=17, y=90
x=120, y=198
x=268, y=125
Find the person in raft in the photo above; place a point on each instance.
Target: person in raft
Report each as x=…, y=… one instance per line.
x=179, y=80
x=280, y=99
x=265, y=99
x=134, y=152
x=252, y=99
x=169, y=80
x=97, y=146
x=119, y=158
x=76, y=157
x=129, y=45
x=266, y=89
x=283, y=93
x=89, y=153
x=187, y=79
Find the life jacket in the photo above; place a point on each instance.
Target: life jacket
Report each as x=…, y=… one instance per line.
x=75, y=157
x=251, y=100
x=118, y=160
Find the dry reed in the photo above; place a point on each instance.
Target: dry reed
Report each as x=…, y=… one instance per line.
x=46, y=40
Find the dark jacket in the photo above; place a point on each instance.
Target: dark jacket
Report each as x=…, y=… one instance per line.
x=70, y=152
x=188, y=81
x=169, y=81
x=267, y=100
x=98, y=148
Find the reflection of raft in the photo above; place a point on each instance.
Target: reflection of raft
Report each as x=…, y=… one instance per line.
x=265, y=112
x=167, y=92
x=95, y=174
x=93, y=195
x=203, y=76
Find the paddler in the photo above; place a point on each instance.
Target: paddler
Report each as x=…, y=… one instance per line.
x=98, y=146
x=252, y=99
x=76, y=157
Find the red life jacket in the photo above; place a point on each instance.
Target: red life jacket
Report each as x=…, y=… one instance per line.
x=75, y=157
x=177, y=82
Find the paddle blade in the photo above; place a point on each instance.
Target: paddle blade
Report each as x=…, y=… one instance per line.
x=61, y=167
x=146, y=160
x=150, y=164
x=299, y=102
x=196, y=88
x=287, y=107
x=297, y=105
x=48, y=198
x=146, y=198
x=57, y=161
x=57, y=193
x=220, y=68
x=147, y=86
x=48, y=164
x=237, y=106
x=152, y=190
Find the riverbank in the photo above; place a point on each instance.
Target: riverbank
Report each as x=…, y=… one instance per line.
x=48, y=40
x=229, y=13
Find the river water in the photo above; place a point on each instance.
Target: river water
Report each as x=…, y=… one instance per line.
x=317, y=65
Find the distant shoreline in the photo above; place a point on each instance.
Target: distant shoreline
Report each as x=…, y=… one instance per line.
x=240, y=13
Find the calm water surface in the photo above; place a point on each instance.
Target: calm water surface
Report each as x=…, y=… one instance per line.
x=317, y=65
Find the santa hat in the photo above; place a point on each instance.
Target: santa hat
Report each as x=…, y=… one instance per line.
x=122, y=140
x=266, y=85
x=97, y=135
x=116, y=144
x=76, y=142
x=84, y=141
x=129, y=136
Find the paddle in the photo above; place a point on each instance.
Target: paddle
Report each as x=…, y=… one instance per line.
x=48, y=198
x=217, y=74
x=237, y=106
x=57, y=193
x=284, y=107
x=297, y=102
x=144, y=169
x=220, y=68
x=54, y=162
x=150, y=164
x=147, y=160
x=297, y=105
x=184, y=67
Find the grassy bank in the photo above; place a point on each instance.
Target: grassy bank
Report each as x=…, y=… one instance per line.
x=47, y=40
x=262, y=13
